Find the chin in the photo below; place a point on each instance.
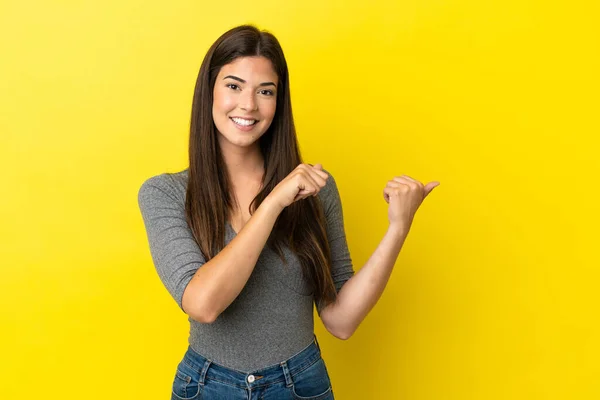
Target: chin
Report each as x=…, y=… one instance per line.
x=236, y=140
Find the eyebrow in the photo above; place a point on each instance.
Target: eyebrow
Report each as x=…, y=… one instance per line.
x=243, y=81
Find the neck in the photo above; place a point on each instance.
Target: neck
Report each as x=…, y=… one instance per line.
x=243, y=164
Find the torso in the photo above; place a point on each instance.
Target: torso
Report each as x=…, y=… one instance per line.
x=238, y=218
x=276, y=296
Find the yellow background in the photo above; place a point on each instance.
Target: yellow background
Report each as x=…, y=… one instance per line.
x=495, y=293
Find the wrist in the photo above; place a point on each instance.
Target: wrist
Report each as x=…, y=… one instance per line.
x=398, y=230
x=271, y=206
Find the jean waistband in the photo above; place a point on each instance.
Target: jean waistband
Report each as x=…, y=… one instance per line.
x=283, y=371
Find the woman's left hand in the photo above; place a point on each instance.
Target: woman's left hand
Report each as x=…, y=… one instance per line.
x=404, y=196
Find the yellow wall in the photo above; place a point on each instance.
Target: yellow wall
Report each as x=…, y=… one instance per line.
x=495, y=294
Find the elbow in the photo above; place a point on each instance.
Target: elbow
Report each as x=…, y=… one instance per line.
x=197, y=312
x=204, y=315
x=342, y=330
x=342, y=334
x=203, y=318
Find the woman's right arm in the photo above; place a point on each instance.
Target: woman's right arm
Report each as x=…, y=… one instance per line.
x=219, y=281
x=204, y=289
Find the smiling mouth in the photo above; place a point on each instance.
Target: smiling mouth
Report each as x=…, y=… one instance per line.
x=244, y=122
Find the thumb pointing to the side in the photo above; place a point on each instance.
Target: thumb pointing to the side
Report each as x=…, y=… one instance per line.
x=429, y=187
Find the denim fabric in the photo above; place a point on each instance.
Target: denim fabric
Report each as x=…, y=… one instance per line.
x=301, y=377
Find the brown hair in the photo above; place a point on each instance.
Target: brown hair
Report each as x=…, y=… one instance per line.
x=301, y=225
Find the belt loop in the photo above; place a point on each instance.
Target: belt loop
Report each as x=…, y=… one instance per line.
x=203, y=372
x=286, y=373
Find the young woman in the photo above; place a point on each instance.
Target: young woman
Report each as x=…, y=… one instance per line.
x=249, y=238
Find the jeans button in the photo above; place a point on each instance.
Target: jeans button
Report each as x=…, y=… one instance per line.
x=251, y=378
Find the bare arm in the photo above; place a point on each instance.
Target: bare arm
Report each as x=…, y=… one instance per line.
x=360, y=294
x=204, y=289
x=220, y=280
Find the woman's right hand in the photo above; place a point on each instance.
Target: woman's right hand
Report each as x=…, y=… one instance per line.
x=305, y=180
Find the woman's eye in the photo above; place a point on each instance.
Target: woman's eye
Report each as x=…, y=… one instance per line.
x=267, y=92
x=232, y=86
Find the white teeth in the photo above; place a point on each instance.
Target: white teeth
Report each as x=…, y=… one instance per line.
x=244, y=122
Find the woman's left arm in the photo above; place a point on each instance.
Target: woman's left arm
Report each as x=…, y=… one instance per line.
x=362, y=291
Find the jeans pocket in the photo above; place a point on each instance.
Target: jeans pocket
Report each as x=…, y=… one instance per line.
x=312, y=383
x=186, y=384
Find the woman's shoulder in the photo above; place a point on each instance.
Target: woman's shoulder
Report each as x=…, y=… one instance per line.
x=329, y=193
x=170, y=184
x=330, y=187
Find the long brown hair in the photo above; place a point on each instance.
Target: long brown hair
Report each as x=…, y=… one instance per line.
x=301, y=225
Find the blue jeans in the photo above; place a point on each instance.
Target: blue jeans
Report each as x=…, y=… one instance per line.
x=301, y=377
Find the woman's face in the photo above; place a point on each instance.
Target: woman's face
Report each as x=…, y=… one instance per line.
x=244, y=100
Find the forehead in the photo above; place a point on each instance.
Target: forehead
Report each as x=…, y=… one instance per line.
x=250, y=69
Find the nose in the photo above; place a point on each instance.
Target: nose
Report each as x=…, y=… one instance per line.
x=247, y=101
